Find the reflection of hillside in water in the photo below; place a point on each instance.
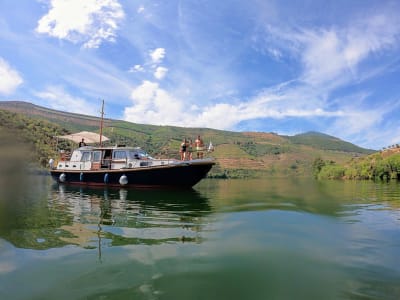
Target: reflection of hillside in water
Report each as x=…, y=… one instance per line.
x=96, y=217
x=328, y=198
x=115, y=217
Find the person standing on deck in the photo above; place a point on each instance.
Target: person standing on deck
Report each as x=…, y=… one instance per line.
x=190, y=149
x=182, y=149
x=199, y=146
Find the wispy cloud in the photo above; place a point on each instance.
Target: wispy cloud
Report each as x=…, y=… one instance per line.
x=232, y=67
x=151, y=104
x=10, y=79
x=330, y=54
x=329, y=59
x=90, y=22
x=57, y=98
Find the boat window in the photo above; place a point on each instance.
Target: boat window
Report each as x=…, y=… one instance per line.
x=96, y=155
x=119, y=154
x=134, y=155
x=86, y=156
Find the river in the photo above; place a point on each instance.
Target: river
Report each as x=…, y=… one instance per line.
x=225, y=239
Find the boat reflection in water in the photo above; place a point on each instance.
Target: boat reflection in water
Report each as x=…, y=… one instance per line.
x=116, y=217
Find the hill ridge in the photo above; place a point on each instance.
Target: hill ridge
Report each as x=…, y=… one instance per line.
x=238, y=153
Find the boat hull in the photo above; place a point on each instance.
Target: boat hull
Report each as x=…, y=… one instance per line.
x=182, y=175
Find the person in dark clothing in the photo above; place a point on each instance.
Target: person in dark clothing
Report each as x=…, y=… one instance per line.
x=182, y=149
x=82, y=143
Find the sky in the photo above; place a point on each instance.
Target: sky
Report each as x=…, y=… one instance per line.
x=282, y=66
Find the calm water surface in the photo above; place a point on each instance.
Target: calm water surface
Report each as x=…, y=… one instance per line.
x=225, y=239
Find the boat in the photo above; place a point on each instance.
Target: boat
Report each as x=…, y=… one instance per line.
x=123, y=166
x=127, y=166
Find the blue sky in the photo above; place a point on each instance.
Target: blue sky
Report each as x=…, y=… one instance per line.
x=258, y=65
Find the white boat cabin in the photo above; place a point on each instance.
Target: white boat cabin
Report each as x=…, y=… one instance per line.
x=114, y=158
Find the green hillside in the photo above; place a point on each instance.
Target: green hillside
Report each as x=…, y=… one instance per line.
x=238, y=154
x=383, y=165
x=32, y=137
x=327, y=142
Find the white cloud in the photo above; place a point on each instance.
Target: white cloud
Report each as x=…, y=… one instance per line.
x=153, y=105
x=160, y=72
x=331, y=56
x=357, y=121
x=57, y=98
x=227, y=116
x=330, y=59
x=9, y=78
x=322, y=57
x=136, y=68
x=90, y=21
x=364, y=123
x=157, y=55
x=336, y=53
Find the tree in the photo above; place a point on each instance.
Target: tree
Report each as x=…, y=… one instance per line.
x=317, y=165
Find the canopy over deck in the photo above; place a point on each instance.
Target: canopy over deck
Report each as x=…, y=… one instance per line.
x=89, y=137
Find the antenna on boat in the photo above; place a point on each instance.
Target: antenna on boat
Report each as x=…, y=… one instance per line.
x=101, y=122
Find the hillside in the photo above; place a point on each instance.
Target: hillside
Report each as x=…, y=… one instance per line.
x=327, y=142
x=32, y=137
x=238, y=154
x=383, y=165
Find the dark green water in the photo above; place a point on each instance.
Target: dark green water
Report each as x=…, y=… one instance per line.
x=239, y=239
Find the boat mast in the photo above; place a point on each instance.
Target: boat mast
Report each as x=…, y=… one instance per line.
x=101, y=122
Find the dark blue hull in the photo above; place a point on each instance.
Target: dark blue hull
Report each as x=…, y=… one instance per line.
x=176, y=176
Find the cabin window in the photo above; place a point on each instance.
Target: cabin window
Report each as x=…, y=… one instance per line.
x=85, y=156
x=138, y=154
x=97, y=156
x=134, y=155
x=119, y=154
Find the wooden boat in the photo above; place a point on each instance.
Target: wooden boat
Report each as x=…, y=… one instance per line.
x=127, y=166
